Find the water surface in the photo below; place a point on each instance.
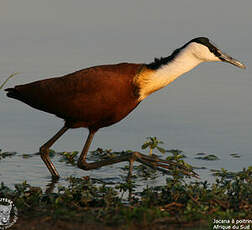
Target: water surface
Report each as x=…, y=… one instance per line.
x=207, y=110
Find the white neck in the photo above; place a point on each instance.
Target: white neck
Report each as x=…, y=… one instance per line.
x=157, y=79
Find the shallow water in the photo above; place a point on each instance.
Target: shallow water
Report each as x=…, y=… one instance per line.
x=207, y=110
x=17, y=168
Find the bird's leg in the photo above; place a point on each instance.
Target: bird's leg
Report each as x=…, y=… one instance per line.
x=131, y=161
x=82, y=158
x=151, y=161
x=44, y=152
x=94, y=165
x=51, y=186
x=88, y=166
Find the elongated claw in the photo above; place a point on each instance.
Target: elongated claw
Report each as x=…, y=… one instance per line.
x=163, y=165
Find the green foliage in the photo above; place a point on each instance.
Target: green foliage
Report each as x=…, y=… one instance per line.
x=209, y=157
x=69, y=157
x=177, y=201
x=103, y=154
x=152, y=143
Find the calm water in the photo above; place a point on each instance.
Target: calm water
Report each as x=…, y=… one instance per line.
x=207, y=110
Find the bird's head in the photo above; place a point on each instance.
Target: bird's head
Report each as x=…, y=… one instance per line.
x=203, y=49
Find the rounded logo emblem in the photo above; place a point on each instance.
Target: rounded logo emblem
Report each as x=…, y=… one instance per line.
x=8, y=213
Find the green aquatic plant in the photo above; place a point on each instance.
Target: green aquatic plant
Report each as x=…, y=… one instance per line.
x=209, y=157
x=152, y=143
x=69, y=157
x=177, y=201
x=235, y=155
x=128, y=203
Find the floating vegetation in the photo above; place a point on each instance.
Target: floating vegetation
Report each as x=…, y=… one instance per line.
x=25, y=156
x=175, y=151
x=209, y=157
x=125, y=203
x=201, y=167
x=201, y=154
x=87, y=201
x=6, y=154
x=103, y=154
x=235, y=155
x=69, y=157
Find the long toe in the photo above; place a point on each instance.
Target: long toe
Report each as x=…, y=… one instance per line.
x=164, y=165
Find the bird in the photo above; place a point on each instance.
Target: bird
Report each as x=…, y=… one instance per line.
x=100, y=96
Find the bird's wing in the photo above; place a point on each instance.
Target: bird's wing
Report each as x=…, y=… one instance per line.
x=66, y=96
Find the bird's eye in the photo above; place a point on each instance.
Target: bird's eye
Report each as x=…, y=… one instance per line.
x=212, y=50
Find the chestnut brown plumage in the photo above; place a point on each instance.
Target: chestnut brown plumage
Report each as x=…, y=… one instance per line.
x=92, y=98
x=100, y=96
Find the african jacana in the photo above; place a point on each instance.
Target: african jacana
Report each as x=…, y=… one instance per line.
x=100, y=96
